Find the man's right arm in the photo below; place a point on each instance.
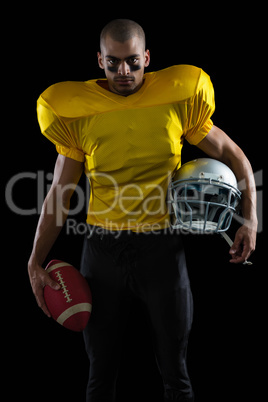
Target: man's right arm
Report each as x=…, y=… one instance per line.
x=54, y=213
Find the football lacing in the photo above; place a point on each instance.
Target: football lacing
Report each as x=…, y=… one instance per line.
x=63, y=287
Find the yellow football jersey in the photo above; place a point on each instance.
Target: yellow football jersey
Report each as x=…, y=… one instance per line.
x=131, y=145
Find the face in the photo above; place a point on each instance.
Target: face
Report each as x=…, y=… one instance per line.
x=124, y=64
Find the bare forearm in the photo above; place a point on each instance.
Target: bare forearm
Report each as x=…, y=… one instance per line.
x=245, y=177
x=52, y=218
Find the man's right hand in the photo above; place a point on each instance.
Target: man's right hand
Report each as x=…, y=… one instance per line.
x=39, y=278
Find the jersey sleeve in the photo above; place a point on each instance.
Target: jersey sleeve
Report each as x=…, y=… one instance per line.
x=57, y=131
x=199, y=121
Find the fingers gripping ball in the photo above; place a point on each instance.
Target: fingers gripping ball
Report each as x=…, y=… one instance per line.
x=71, y=305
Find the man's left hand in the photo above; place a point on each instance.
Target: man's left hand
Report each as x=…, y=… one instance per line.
x=244, y=244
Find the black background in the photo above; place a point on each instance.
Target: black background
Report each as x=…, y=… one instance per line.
x=226, y=356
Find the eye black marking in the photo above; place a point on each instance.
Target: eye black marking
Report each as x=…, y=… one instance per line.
x=135, y=67
x=112, y=69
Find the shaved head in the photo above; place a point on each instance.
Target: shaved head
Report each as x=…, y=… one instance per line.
x=123, y=56
x=121, y=30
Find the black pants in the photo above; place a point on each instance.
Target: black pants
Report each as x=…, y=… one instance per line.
x=152, y=268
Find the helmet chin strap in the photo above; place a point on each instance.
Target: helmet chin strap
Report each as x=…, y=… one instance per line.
x=230, y=242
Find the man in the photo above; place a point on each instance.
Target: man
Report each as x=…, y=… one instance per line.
x=126, y=132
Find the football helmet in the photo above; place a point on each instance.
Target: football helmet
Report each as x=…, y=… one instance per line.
x=204, y=196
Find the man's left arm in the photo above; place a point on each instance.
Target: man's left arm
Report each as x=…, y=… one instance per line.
x=219, y=146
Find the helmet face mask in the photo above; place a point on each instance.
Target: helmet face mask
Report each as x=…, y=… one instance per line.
x=202, y=201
